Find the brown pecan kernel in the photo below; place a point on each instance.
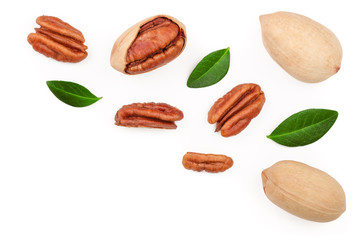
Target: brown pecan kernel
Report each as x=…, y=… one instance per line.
x=152, y=115
x=234, y=111
x=158, y=42
x=209, y=162
x=148, y=44
x=58, y=40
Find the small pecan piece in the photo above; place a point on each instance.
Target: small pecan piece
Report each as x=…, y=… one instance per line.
x=152, y=115
x=209, y=162
x=234, y=111
x=148, y=44
x=58, y=40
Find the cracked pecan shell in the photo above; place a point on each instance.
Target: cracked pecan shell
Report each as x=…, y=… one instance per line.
x=234, y=111
x=148, y=45
x=209, y=162
x=151, y=115
x=58, y=40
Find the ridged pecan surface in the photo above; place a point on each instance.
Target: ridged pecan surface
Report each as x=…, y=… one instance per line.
x=152, y=115
x=157, y=43
x=209, y=162
x=58, y=40
x=234, y=111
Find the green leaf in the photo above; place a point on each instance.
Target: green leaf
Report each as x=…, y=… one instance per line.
x=210, y=70
x=72, y=94
x=304, y=127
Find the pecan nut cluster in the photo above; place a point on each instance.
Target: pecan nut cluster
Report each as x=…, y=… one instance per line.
x=145, y=46
x=148, y=44
x=151, y=115
x=234, y=111
x=58, y=40
x=209, y=162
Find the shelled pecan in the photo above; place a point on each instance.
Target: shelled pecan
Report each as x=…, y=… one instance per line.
x=234, y=111
x=148, y=44
x=58, y=40
x=209, y=162
x=152, y=115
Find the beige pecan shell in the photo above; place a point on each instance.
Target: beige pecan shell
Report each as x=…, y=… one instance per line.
x=146, y=46
x=304, y=48
x=304, y=191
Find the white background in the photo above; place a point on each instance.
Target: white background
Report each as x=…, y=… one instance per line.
x=70, y=173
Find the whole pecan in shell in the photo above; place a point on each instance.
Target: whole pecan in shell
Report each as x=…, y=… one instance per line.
x=234, y=111
x=152, y=115
x=209, y=162
x=148, y=44
x=58, y=40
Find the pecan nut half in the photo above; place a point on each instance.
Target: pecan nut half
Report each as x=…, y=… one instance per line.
x=234, y=111
x=151, y=115
x=148, y=44
x=58, y=40
x=209, y=162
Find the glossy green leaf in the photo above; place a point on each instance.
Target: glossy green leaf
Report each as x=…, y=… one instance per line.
x=72, y=93
x=304, y=127
x=210, y=70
